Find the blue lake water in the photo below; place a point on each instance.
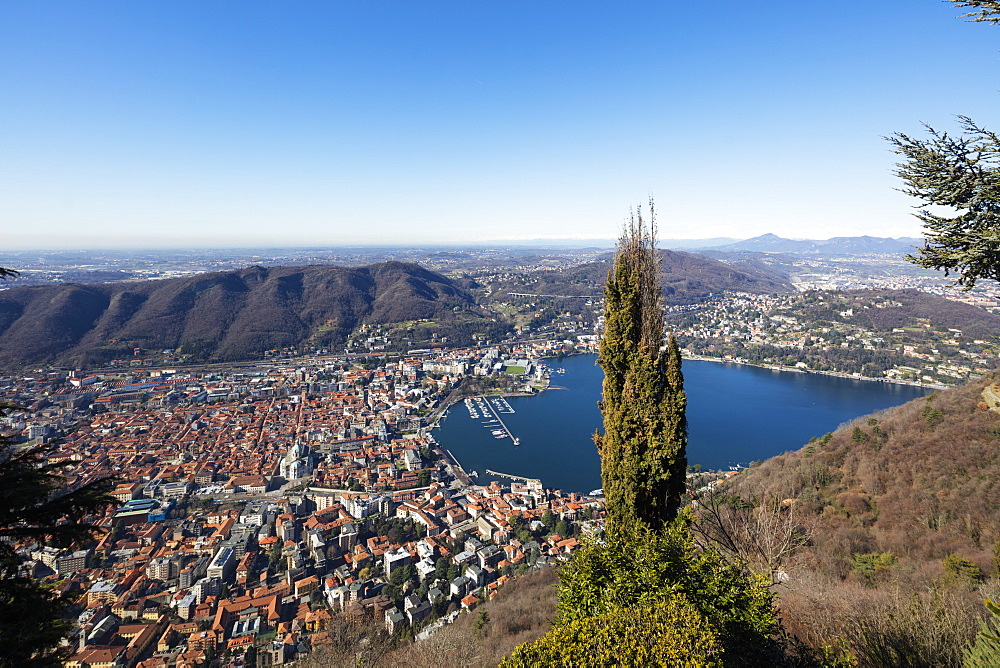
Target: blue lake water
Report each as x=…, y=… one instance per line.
x=736, y=414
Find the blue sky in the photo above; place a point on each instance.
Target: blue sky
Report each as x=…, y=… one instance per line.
x=238, y=124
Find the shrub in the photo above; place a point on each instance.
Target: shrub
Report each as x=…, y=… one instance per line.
x=669, y=633
x=959, y=571
x=873, y=566
x=638, y=567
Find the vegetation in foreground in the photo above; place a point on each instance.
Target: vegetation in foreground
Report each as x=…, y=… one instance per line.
x=898, y=515
x=648, y=594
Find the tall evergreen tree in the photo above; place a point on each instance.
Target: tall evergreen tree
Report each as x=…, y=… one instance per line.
x=649, y=580
x=643, y=458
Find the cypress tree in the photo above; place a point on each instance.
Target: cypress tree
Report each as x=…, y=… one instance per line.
x=643, y=458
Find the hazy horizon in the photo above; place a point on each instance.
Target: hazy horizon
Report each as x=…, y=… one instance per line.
x=538, y=243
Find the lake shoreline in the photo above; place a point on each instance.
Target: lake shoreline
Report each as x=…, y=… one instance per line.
x=725, y=428
x=835, y=374
x=791, y=369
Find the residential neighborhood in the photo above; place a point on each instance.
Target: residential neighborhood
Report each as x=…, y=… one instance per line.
x=871, y=334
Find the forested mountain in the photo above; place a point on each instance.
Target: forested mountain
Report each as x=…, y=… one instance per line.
x=687, y=278
x=236, y=315
x=227, y=315
x=919, y=480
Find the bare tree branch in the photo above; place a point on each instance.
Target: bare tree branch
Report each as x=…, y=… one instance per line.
x=759, y=531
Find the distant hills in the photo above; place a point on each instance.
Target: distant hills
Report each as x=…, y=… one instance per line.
x=687, y=278
x=765, y=243
x=240, y=314
x=771, y=243
x=599, y=243
x=228, y=315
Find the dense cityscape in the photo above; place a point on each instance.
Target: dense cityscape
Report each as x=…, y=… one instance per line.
x=255, y=501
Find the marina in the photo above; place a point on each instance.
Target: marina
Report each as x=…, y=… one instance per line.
x=488, y=410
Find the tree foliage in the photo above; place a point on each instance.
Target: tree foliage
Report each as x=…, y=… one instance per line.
x=640, y=567
x=986, y=652
x=643, y=459
x=987, y=11
x=960, y=571
x=962, y=173
x=669, y=633
x=34, y=508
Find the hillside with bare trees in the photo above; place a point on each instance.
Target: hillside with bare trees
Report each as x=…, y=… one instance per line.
x=884, y=535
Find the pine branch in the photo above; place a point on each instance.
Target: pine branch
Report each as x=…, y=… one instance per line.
x=989, y=10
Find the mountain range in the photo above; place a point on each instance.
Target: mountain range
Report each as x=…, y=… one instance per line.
x=226, y=315
x=687, y=278
x=771, y=243
x=240, y=314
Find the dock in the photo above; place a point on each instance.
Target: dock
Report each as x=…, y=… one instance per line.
x=503, y=425
x=534, y=484
x=456, y=468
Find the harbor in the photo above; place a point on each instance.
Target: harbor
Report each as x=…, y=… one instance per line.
x=556, y=427
x=488, y=411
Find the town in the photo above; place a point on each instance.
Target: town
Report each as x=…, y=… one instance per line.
x=862, y=334
x=260, y=502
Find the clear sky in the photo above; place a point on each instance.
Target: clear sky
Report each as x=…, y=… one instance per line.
x=241, y=123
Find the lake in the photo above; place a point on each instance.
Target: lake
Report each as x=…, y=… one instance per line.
x=736, y=414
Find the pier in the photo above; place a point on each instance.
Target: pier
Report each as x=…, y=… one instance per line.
x=503, y=425
x=456, y=469
x=534, y=484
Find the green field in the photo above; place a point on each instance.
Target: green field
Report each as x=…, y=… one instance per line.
x=514, y=370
